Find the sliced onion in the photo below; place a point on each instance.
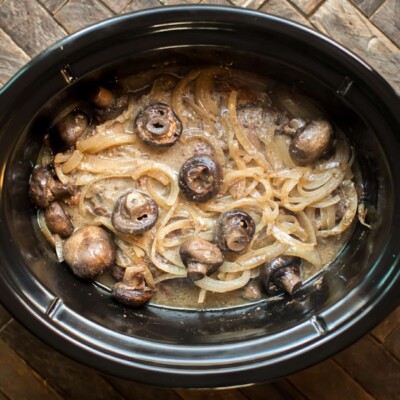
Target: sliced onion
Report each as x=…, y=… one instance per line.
x=72, y=162
x=311, y=256
x=60, y=175
x=254, y=258
x=58, y=243
x=285, y=238
x=297, y=104
x=330, y=201
x=283, y=151
x=159, y=170
x=43, y=228
x=101, y=165
x=241, y=137
x=97, y=143
x=308, y=226
x=210, y=140
x=165, y=277
x=177, y=225
x=202, y=296
x=350, y=197
x=214, y=285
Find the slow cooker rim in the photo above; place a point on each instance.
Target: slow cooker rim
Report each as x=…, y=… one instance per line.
x=38, y=320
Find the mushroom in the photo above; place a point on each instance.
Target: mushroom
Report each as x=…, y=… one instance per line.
x=72, y=127
x=43, y=188
x=200, y=178
x=158, y=125
x=311, y=142
x=108, y=104
x=57, y=220
x=200, y=257
x=89, y=251
x=293, y=126
x=134, y=213
x=251, y=291
x=117, y=272
x=235, y=229
x=132, y=291
x=282, y=271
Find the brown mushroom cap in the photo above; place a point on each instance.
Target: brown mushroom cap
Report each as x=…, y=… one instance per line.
x=72, y=127
x=200, y=178
x=282, y=271
x=108, y=104
x=200, y=257
x=39, y=187
x=43, y=188
x=311, y=142
x=235, y=229
x=158, y=125
x=89, y=251
x=57, y=220
x=132, y=291
x=134, y=213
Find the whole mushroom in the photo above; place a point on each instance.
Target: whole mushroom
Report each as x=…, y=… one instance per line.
x=72, y=127
x=235, y=229
x=43, y=188
x=89, y=251
x=200, y=178
x=108, y=104
x=57, y=220
x=134, y=213
x=158, y=125
x=132, y=290
x=200, y=257
x=311, y=142
x=283, y=272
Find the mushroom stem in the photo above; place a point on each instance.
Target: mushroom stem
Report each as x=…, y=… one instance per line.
x=196, y=271
x=134, y=276
x=236, y=240
x=200, y=257
x=235, y=229
x=282, y=272
x=103, y=97
x=290, y=282
x=132, y=291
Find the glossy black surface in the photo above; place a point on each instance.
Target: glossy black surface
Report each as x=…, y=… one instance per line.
x=215, y=348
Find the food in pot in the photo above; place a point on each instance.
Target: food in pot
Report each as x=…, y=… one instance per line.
x=209, y=186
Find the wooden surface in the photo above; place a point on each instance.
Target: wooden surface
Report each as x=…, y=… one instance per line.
x=370, y=369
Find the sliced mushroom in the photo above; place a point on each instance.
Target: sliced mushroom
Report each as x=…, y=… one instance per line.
x=89, y=251
x=109, y=104
x=311, y=142
x=43, y=188
x=200, y=178
x=132, y=291
x=283, y=272
x=57, y=220
x=200, y=257
x=158, y=125
x=72, y=127
x=235, y=229
x=134, y=213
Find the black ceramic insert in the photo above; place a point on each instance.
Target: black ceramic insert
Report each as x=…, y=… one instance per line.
x=181, y=348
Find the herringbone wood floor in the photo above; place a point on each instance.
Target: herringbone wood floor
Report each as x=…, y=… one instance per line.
x=370, y=369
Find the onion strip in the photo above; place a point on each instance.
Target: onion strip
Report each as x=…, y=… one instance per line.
x=214, y=285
